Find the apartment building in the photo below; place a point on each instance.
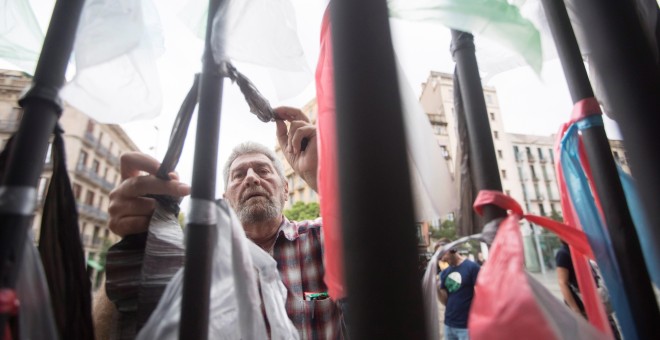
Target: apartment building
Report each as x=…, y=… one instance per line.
x=92, y=159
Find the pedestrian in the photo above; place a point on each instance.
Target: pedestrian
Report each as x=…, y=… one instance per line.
x=257, y=189
x=456, y=291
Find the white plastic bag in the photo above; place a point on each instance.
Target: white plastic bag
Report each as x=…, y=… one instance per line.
x=239, y=268
x=115, y=51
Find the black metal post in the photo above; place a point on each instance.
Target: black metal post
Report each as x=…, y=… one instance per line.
x=200, y=237
x=625, y=64
x=25, y=163
x=625, y=241
x=376, y=200
x=485, y=171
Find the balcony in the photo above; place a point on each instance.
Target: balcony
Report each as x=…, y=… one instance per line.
x=519, y=157
x=543, y=160
x=531, y=158
x=89, y=139
x=92, y=212
x=535, y=178
x=538, y=198
x=94, y=178
x=9, y=126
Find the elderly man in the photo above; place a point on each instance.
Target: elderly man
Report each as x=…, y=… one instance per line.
x=257, y=190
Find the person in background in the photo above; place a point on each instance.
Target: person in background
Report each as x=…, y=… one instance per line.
x=456, y=291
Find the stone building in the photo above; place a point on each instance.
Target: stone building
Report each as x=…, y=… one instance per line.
x=92, y=159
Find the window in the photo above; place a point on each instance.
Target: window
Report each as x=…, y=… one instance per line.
x=516, y=152
x=552, y=157
x=444, y=151
x=492, y=115
x=100, y=137
x=77, y=191
x=100, y=202
x=439, y=128
x=89, y=198
x=96, y=240
x=529, y=152
x=496, y=135
x=531, y=169
x=540, y=153
x=508, y=192
x=90, y=126
x=95, y=166
x=82, y=160
x=616, y=155
x=105, y=173
x=503, y=174
x=541, y=209
x=489, y=99
x=499, y=154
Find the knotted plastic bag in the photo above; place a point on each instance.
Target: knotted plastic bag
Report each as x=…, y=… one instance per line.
x=243, y=276
x=510, y=304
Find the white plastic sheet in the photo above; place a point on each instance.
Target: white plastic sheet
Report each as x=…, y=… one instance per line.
x=20, y=34
x=259, y=32
x=240, y=270
x=116, y=47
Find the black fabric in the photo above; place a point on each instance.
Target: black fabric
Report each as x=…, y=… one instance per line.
x=467, y=221
x=62, y=253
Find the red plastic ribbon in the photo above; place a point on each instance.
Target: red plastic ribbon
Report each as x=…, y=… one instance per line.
x=584, y=108
x=8, y=302
x=327, y=170
x=576, y=238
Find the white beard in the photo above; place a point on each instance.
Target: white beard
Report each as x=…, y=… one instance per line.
x=258, y=209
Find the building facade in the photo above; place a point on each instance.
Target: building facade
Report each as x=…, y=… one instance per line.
x=525, y=163
x=92, y=159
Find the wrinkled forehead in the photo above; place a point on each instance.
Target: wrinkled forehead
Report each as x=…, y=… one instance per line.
x=250, y=160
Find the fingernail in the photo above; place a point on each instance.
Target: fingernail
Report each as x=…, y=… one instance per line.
x=184, y=189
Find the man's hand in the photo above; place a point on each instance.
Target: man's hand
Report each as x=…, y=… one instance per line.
x=304, y=162
x=130, y=212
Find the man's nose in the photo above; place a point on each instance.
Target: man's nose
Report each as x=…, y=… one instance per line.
x=251, y=177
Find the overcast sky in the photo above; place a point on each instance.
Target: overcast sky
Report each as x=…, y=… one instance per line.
x=530, y=104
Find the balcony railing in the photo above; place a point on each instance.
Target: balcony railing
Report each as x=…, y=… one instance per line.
x=530, y=158
x=94, y=178
x=9, y=125
x=93, y=212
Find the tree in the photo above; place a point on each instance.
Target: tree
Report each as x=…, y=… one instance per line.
x=447, y=229
x=303, y=211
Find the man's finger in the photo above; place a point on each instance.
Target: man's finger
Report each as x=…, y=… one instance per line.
x=290, y=113
x=128, y=225
x=307, y=131
x=282, y=134
x=131, y=163
x=138, y=206
x=144, y=185
x=293, y=127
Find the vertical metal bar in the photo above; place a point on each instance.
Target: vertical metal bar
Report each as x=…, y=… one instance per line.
x=485, y=171
x=625, y=242
x=41, y=111
x=199, y=241
x=376, y=200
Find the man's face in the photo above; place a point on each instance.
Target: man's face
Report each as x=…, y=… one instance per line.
x=450, y=257
x=254, y=189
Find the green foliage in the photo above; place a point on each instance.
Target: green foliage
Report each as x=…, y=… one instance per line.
x=447, y=229
x=556, y=215
x=182, y=219
x=303, y=211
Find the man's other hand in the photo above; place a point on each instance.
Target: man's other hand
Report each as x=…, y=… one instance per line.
x=129, y=210
x=302, y=156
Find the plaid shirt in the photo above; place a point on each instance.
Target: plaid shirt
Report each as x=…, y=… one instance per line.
x=298, y=251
